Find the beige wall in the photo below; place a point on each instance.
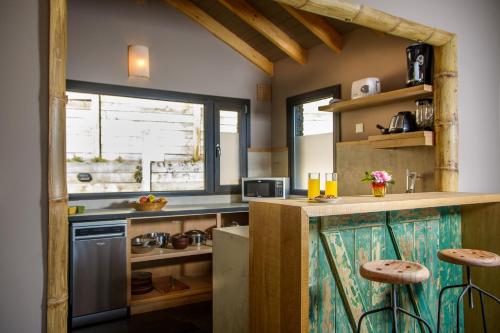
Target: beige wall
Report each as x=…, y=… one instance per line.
x=365, y=54
x=477, y=26
x=23, y=131
x=23, y=164
x=183, y=55
x=356, y=157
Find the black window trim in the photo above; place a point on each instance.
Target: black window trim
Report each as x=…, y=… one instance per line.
x=244, y=123
x=209, y=102
x=335, y=92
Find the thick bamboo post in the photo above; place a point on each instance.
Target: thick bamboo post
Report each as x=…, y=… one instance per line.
x=57, y=270
x=446, y=116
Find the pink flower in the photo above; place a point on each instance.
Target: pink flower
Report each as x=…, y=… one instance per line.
x=381, y=177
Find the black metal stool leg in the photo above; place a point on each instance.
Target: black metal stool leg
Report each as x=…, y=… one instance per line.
x=486, y=293
x=469, y=281
x=485, y=326
x=458, y=306
x=394, y=305
x=417, y=318
x=441, y=293
x=369, y=313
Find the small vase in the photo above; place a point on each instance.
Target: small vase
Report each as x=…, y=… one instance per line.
x=378, y=189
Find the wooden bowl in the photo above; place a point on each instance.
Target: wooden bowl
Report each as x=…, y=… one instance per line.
x=148, y=206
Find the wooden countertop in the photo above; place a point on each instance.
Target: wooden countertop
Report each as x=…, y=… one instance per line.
x=368, y=203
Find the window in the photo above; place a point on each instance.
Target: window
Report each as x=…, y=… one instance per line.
x=132, y=140
x=312, y=135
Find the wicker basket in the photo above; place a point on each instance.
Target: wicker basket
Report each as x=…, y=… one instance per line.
x=149, y=206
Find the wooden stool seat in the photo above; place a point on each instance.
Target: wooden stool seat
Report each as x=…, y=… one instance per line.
x=470, y=257
x=394, y=271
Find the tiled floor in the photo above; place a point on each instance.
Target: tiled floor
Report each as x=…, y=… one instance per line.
x=195, y=318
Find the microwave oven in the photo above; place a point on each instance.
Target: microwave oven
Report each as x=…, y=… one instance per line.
x=264, y=188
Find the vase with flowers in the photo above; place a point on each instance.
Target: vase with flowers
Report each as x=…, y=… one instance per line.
x=379, y=180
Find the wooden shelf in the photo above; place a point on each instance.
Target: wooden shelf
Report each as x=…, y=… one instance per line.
x=161, y=253
x=379, y=99
x=409, y=139
x=200, y=289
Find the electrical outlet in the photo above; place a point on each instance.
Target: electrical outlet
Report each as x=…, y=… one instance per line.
x=360, y=128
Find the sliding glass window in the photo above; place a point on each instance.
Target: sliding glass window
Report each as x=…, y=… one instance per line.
x=134, y=140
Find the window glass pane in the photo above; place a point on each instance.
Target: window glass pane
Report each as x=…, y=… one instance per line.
x=230, y=148
x=134, y=144
x=313, y=142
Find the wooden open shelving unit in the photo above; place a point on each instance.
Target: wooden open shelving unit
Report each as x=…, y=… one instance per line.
x=191, y=266
x=200, y=289
x=420, y=91
x=167, y=253
x=409, y=139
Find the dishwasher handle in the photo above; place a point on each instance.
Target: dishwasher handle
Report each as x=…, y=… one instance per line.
x=110, y=235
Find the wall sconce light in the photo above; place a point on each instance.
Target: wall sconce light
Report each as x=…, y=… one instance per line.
x=138, y=61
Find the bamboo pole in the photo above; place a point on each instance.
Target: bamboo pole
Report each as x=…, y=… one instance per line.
x=57, y=270
x=373, y=19
x=446, y=116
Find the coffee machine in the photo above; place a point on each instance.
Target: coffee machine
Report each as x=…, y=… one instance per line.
x=420, y=63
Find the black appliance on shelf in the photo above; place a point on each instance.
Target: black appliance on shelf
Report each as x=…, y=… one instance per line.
x=420, y=63
x=403, y=122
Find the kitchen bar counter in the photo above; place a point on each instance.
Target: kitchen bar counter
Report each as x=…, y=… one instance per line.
x=305, y=259
x=369, y=203
x=169, y=210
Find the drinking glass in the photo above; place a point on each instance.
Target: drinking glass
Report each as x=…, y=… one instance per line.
x=331, y=187
x=313, y=185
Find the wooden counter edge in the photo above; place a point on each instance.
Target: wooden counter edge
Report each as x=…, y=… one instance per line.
x=433, y=200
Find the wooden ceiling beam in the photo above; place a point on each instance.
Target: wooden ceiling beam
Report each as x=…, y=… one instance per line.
x=218, y=30
x=318, y=26
x=262, y=24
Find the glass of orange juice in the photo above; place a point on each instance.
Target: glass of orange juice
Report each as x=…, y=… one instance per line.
x=331, y=187
x=313, y=185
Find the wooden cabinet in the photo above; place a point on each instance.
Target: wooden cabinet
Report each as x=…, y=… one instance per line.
x=191, y=266
x=230, y=296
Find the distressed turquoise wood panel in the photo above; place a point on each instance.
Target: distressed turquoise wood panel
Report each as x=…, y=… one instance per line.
x=313, y=274
x=418, y=235
x=349, y=241
x=450, y=230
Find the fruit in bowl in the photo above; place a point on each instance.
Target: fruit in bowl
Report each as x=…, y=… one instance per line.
x=149, y=203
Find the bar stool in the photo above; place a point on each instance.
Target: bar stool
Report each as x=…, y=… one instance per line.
x=468, y=258
x=395, y=272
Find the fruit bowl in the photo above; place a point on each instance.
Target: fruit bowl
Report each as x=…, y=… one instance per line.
x=149, y=203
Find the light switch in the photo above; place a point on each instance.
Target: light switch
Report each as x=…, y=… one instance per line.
x=360, y=128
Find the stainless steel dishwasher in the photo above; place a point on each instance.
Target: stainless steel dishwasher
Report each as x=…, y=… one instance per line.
x=98, y=290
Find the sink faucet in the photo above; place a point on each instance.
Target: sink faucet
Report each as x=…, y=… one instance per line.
x=411, y=178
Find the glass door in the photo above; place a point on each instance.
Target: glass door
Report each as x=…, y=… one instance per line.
x=231, y=144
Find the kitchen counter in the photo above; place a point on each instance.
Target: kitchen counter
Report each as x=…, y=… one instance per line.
x=305, y=258
x=169, y=210
x=369, y=203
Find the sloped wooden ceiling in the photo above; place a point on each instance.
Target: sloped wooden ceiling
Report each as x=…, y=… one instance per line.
x=221, y=13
